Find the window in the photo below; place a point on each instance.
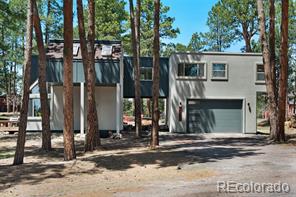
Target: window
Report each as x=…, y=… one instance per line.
x=34, y=108
x=191, y=70
x=260, y=73
x=219, y=71
x=107, y=50
x=75, y=49
x=146, y=74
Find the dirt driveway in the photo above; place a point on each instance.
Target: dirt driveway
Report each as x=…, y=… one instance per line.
x=184, y=165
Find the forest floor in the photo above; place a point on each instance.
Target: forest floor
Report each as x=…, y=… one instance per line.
x=183, y=165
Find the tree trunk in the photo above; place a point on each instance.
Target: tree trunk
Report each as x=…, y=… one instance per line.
x=14, y=87
x=267, y=71
x=69, y=147
x=46, y=24
x=137, y=70
x=283, y=71
x=247, y=37
x=135, y=28
x=82, y=37
x=8, y=96
x=92, y=138
x=6, y=83
x=20, y=146
x=272, y=42
x=248, y=45
x=46, y=133
x=149, y=107
x=294, y=95
x=155, y=87
x=294, y=103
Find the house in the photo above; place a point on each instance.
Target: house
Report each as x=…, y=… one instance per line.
x=14, y=103
x=109, y=83
x=204, y=92
x=3, y=103
x=214, y=92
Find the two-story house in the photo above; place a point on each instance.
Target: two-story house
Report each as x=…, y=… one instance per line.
x=206, y=92
x=214, y=92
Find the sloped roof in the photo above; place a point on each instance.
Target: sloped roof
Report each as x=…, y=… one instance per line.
x=55, y=49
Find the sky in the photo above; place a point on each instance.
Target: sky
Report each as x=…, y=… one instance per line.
x=190, y=17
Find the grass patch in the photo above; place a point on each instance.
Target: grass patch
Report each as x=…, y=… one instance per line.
x=5, y=155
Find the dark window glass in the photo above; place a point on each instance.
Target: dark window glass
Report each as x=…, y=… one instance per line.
x=146, y=73
x=260, y=73
x=34, y=109
x=191, y=70
x=180, y=69
x=219, y=70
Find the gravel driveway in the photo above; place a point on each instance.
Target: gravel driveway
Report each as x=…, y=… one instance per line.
x=236, y=159
x=184, y=165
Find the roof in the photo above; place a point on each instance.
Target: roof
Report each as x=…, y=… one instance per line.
x=55, y=49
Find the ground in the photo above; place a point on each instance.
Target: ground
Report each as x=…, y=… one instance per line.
x=184, y=165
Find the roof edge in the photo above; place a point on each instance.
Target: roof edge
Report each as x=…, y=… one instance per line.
x=217, y=53
x=96, y=41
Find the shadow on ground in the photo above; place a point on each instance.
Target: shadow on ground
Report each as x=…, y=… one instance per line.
x=176, y=150
x=188, y=149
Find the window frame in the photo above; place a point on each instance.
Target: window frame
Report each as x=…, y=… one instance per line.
x=256, y=74
x=146, y=68
x=204, y=77
x=225, y=78
x=37, y=96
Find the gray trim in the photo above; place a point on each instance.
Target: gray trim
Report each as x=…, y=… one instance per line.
x=217, y=53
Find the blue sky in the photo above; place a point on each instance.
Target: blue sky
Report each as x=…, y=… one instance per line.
x=191, y=16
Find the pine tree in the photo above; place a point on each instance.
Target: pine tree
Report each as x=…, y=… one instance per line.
x=46, y=133
x=20, y=146
x=155, y=87
x=69, y=147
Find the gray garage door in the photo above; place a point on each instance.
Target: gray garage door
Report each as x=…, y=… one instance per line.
x=214, y=116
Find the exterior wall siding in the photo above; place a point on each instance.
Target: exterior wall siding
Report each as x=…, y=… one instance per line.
x=240, y=85
x=106, y=106
x=146, y=86
x=107, y=71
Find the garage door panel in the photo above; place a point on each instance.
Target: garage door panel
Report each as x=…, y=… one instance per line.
x=214, y=116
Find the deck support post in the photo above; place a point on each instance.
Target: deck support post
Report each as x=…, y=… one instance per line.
x=82, y=109
x=118, y=106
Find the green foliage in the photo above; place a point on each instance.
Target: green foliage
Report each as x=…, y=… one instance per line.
x=256, y=46
x=167, y=31
x=52, y=18
x=241, y=14
x=261, y=105
x=128, y=107
x=111, y=19
x=292, y=49
x=197, y=42
x=221, y=33
x=12, y=30
x=169, y=49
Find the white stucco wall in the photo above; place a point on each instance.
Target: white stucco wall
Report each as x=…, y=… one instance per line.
x=240, y=85
x=106, y=108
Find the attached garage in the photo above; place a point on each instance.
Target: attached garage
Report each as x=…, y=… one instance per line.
x=214, y=116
